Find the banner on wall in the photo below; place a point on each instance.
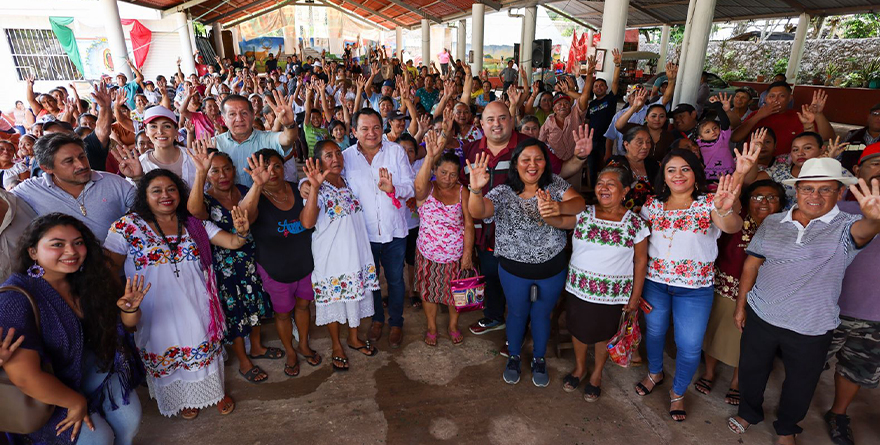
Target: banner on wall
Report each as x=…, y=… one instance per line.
x=260, y=47
x=96, y=60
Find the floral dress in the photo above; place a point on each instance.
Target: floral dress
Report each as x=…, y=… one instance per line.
x=238, y=284
x=439, y=248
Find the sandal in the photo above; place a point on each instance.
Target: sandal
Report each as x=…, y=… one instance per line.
x=643, y=390
x=366, y=349
x=456, y=337
x=703, y=386
x=735, y=426
x=271, y=354
x=431, y=338
x=189, y=413
x=416, y=302
x=592, y=393
x=291, y=371
x=677, y=412
x=732, y=397
x=570, y=383
x=253, y=374
x=316, y=357
x=226, y=405
x=343, y=360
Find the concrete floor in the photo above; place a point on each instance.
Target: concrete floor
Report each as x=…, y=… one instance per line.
x=455, y=394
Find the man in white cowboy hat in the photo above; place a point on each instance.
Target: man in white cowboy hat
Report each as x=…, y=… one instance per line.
x=791, y=281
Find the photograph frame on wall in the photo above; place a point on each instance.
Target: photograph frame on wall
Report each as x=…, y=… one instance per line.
x=600, y=59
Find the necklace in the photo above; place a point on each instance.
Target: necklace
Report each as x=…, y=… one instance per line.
x=172, y=247
x=275, y=198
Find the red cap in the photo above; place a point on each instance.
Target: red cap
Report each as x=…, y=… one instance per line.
x=870, y=151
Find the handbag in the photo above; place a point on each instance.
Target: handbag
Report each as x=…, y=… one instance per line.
x=20, y=413
x=627, y=339
x=468, y=293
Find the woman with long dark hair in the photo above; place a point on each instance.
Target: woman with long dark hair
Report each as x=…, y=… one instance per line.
x=686, y=222
x=532, y=264
x=60, y=263
x=181, y=330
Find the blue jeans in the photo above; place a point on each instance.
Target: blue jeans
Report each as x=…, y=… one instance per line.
x=690, y=310
x=118, y=426
x=390, y=256
x=520, y=308
x=494, y=296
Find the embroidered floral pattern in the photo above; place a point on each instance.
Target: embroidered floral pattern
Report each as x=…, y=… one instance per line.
x=148, y=249
x=588, y=229
x=726, y=285
x=687, y=271
x=597, y=288
x=346, y=287
x=697, y=218
x=180, y=357
x=338, y=202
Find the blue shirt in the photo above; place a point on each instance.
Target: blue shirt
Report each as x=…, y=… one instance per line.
x=131, y=89
x=240, y=152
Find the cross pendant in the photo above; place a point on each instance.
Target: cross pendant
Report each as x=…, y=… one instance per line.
x=176, y=272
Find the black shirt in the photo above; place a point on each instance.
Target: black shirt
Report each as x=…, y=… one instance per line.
x=600, y=112
x=271, y=64
x=96, y=153
x=284, y=246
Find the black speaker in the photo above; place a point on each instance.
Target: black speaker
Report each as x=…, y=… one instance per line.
x=516, y=54
x=541, y=50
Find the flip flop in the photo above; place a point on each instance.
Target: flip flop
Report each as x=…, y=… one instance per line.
x=189, y=413
x=456, y=337
x=368, y=347
x=271, y=354
x=252, y=375
x=431, y=338
x=226, y=405
x=316, y=357
x=342, y=360
x=291, y=371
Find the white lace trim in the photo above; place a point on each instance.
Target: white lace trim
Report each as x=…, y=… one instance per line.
x=182, y=394
x=345, y=312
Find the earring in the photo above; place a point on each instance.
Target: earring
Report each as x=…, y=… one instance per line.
x=35, y=271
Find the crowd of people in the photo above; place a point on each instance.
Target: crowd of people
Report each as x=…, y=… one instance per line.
x=224, y=198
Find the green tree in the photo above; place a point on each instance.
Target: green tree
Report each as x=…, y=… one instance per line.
x=861, y=26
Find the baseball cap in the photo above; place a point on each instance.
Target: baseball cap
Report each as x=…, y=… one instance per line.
x=395, y=114
x=869, y=152
x=560, y=96
x=388, y=83
x=682, y=108
x=158, y=111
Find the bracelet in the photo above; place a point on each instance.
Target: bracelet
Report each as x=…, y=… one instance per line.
x=724, y=215
x=244, y=237
x=131, y=312
x=476, y=192
x=582, y=158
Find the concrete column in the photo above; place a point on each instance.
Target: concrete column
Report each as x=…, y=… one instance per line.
x=190, y=31
x=688, y=82
x=115, y=37
x=218, y=40
x=589, y=38
x=613, y=27
x=664, y=48
x=426, y=42
x=529, y=21
x=398, y=40
x=682, y=54
x=461, y=42
x=478, y=11
x=188, y=65
x=797, y=49
x=236, y=37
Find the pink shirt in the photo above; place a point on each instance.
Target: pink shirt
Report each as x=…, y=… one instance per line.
x=560, y=139
x=441, y=232
x=203, y=124
x=443, y=57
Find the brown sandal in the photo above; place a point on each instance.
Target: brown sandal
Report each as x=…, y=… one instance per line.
x=189, y=413
x=226, y=405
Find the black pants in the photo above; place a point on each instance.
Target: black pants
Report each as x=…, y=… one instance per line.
x=494, y=297
x=803, y=357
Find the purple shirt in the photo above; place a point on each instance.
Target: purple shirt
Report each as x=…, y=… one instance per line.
x=860, y=294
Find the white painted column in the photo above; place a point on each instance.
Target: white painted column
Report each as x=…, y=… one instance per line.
x=529, y=21
x=236, y=37
x=426, y=42
x=218, y=40
x=190, y=31
x=664, y=48
x=188, y=65
x=461, y=42
x=688, y=82
x=797, y=49
x=478, y=11
x=682, y=54
x=398, y=41
x=613, y=27
x=115, y=37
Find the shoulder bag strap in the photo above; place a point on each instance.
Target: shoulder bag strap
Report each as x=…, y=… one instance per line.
x=30, y=299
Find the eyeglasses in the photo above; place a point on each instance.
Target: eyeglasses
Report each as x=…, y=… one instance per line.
x=768, y=198
x=824, y=191
x=875, y=113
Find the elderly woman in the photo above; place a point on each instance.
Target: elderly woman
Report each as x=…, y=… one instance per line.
x=721, y=342
x=638, y=146
x=656, y=122
x=61, y=265
x=605, y=276
x=160, y=240
x=530, y=251
x=685, y=225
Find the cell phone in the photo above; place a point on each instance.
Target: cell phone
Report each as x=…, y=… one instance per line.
x=533, y=293
x=645, y=306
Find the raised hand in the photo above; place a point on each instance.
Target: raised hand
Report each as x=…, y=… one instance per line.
x=432, y=145
x=385, y=183
x=746, y=159
x=127, y=158
x=583, y=141
x=818, y=103
x=547, y=206
x=134, y=293
x=425, y=123
x=618, y=58
x=361, y=82
x=592, y=62
x=757, y=139
x=479, y=173
x=8, y=347
x=725, y=99
x=640, y=98
x=835, y=148
x=807, y=117
x=30, y=78
x=313, y=173
x=671, y=71
x=258, y=169
x=868, y=197
x=283, y=108
x=102, y=96
x=199, y=153
x=514, y=94
x=240, y=221
x=726, y=194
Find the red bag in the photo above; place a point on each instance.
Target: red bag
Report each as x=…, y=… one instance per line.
x=627, y=339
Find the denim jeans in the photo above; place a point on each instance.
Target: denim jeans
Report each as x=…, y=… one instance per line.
x=690, y=310
x=390, y=256
x=118, y=426
x=494, y=296
x=521, y=308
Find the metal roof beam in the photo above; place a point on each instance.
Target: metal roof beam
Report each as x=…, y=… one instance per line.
x=646, y=12
x=235, y=11
x=372, y=11
x=181, y=7
x=573, y=19
x=418, y=11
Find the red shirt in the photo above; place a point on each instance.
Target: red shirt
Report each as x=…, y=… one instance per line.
x=786, y=125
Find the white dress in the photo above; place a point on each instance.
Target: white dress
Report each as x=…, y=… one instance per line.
x=344, y=270
x=184, y=366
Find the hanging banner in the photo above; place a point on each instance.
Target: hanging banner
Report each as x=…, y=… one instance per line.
x=97, y=58
x=140, y=40
x=260, y=47
x=65, y=36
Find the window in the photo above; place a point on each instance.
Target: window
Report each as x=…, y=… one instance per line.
x=38, y=52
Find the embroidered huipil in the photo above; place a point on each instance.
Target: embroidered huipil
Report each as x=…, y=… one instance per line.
x=731, y=257
x=601, y=267
x=441, y=234
x=384, y=221
x=683, y=243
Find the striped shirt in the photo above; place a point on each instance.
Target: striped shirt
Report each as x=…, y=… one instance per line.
x=799, y=283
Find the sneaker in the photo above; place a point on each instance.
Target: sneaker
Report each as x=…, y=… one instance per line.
x=513, y=370
x=540, y=377
x=485, y=325
x=504, y=351
x=839, y=429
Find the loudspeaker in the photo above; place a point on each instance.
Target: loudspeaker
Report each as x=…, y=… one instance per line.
x=516, y=54
x=541, y=50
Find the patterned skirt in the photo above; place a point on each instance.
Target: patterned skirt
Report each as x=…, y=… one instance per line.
x=432, y=279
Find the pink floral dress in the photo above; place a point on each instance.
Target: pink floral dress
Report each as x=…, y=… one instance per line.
x=439, y=249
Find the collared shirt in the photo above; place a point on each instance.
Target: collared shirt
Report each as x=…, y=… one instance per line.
x=18, y=216
x=240, y=152
x=799, y=283
x=102, y=201
x=384, y=221
x=561, y=138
